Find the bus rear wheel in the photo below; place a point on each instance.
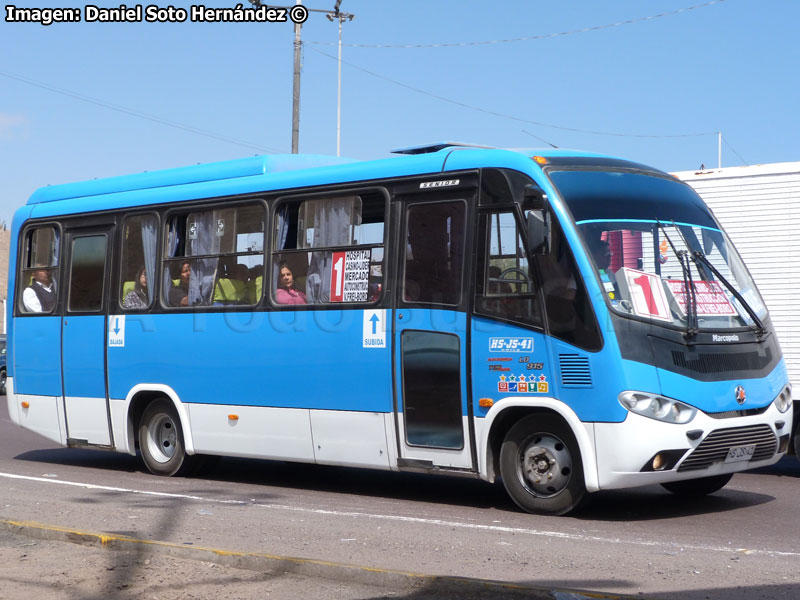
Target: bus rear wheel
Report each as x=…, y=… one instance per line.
x=698, y=487
x=161, y=439
x=541, y=467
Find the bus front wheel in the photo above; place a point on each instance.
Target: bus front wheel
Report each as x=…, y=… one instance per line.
x=540, y=464
x=161, y=439
x=698, y=487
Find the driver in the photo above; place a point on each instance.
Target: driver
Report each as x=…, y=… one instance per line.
x=601, y=254
x=496, y=285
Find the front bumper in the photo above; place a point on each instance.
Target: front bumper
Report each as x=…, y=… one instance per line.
x=625, y=451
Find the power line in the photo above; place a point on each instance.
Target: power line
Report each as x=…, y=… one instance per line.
x=512, y=117
x=142, y=115
x=744, y=162
x=531, y=37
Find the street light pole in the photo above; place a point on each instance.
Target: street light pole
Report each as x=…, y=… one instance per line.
x=340, y=17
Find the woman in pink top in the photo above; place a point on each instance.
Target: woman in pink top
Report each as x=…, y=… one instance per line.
x=286, y=294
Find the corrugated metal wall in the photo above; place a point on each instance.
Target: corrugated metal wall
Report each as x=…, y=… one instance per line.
x=759, y=207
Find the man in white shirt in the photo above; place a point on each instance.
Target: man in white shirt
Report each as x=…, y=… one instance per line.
x=40, y=296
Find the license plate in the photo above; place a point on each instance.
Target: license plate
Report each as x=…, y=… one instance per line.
x=740, y=453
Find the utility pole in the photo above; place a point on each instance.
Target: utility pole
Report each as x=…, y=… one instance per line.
x=296, y=89
x=298, y=46
x=719, y=149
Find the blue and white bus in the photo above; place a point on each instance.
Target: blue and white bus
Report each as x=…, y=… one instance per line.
x=563, y=321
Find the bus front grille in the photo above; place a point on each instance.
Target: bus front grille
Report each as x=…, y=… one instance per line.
x=711, y=362
x=715, y=447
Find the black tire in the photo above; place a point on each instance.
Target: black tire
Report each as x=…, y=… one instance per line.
x=3, y=382
x=698, y=487
x=541, y=467
x=161, y=440
x=795, y=442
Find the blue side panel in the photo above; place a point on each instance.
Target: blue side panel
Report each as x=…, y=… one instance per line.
x=304, y=359
x=719, y=396
x=36, y=355
x=16, y=225
x=590, y=382
x=83, y=360
x=508, y=361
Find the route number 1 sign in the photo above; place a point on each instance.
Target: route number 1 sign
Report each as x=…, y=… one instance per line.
x=647, y=295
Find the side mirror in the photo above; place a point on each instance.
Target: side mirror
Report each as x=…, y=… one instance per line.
x=538, y=219
x=538, y=225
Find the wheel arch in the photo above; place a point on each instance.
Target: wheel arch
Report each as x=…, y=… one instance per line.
x=137, y=400
x=505, y=413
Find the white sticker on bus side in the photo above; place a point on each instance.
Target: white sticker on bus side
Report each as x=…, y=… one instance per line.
x=374, y=328
x=116, y=331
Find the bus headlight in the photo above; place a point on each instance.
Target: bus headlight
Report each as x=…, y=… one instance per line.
x=657, y=407
x=784, y=400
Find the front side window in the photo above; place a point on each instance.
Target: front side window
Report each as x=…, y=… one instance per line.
x=507, y=289
x=329, y=250
x=38, y=277
x=214, y=257
x=658, y=252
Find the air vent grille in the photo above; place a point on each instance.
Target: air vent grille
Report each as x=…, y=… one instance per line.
x=575, y=370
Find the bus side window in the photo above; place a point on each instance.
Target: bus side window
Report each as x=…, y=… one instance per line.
x=434, y=261
x=138, y=269
x=329, y=250
x=37, y=280
x=210, y=257
x=507, y=288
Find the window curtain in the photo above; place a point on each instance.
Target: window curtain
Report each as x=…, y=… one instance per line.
x=202, y=234
x=149, y=247
x=333, y=226
x=280, y=239
x=172, y=249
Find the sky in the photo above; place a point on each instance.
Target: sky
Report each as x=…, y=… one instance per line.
x=647, y=80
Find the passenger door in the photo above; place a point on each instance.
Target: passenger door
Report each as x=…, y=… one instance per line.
x=432, y=409
x=83, y=337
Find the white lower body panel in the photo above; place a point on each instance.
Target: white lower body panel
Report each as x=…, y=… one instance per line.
x=321, y=436
x=41, y=414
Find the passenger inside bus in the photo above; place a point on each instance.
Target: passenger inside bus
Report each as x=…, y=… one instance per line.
x=232, y=286
x=286, y=292
x=179, y=294
x=137, y=297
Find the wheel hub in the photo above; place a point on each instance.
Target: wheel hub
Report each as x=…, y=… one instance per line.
x=163, y=440
x=545, y=466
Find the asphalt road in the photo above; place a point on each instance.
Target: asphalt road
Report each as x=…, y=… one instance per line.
x=740, y=543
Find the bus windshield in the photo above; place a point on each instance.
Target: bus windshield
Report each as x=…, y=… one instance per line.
x=658, y=251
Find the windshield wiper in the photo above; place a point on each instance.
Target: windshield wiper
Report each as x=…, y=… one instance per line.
x=692, y=325
x=759, y=326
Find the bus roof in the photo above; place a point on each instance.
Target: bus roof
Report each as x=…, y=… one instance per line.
x=418, y=159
